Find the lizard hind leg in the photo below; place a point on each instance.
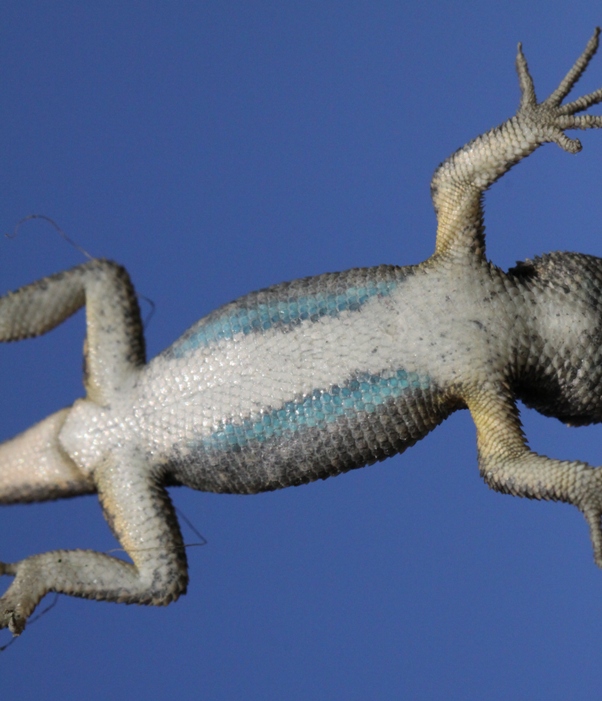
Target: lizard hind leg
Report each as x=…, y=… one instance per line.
x=114, y=340
x=142, y=517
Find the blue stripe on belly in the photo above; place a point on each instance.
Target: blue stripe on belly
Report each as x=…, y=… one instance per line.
x=233, y=320
x=321, y=407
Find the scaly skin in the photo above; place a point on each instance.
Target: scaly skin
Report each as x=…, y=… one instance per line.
x=313, y=378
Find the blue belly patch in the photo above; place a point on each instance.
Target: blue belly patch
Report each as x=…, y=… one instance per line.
x=239, y=319
x=362, y=394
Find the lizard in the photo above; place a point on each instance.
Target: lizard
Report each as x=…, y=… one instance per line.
x=311, y=378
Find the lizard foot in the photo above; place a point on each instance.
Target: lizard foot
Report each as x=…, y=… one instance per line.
x=14, y=606
x=548, y=119
x=11, y=618
x=9, y=568
x=590, y=504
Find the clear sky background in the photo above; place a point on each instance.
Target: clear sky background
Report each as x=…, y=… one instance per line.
x=217, y=147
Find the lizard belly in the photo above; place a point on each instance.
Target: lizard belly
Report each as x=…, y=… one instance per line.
x=279, y=389
x=316, y=435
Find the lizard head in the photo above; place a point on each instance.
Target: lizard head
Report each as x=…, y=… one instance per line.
x=560, y=357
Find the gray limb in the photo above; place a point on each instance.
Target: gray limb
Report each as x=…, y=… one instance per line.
x=36, y=465
x=459, y=183
x=114, y=342
x=509, y=466
x=147, y=529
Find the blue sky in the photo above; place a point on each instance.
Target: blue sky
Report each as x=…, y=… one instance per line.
x=214, y=148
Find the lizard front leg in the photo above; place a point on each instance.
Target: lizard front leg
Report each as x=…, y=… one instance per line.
x=142, y=517
x=459, y=183
x=509, y=466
